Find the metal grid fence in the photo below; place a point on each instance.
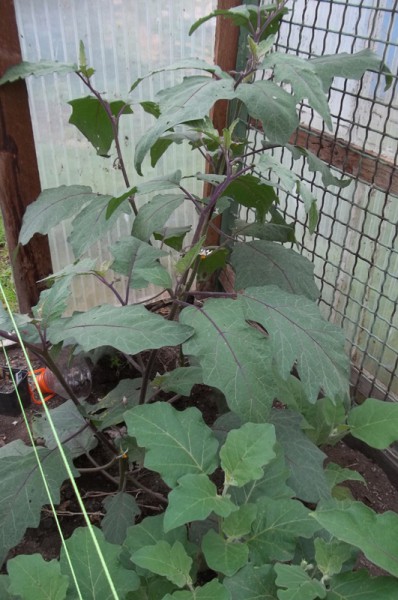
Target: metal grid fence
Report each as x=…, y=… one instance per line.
x=355, y=246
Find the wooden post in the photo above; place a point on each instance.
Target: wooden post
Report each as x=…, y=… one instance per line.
x=19, y=175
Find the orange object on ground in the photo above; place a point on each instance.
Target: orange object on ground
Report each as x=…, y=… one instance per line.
x=41, y=382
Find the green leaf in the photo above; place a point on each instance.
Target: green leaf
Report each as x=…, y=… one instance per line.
x=248, y=16
x=298, y=334
x=129, y=329
x=186, y=261
x=276, y=528
x=163, y=559
x=239, y=523
x=172, y=236
x=246, y=451
x=67, y=421
x=193, y=98
x=194, y=499
x=315, y=165
x=212, y=262
x=331, y=555
x=176, y=442
x=42, y=67
x=140, y=262
x=222, y=555
x=121, y=510
x=267, y=263
x=53, y=206
x=86, y=266
x=53, y=302
x=357, y=524
x=274, y=107
x=154, y=214
x=89, y=571
x=4, y=584
x=375, y=422
x=235, y=357
x=92, y=120
x=214, y=590
x=302, y=76
x=335, y=475
x=150, y=531
x=24, y=493
x=304, y=459
x=113, y=406
x=361, y=586
x=252, y=192
x=180, y=380
x=252, y=583
x=299, y=584
x=271, y=232
x=32, y=577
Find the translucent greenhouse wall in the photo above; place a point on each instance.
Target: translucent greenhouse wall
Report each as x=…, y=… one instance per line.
x=124, y=40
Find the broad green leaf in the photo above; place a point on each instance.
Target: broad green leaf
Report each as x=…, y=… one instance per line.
x=193, y=98
x=53, y=302
x=4, y=584
x=139, y=262
x=252, y=583
x=194, y=499
x=187, y=260
x=271, y=232
x=276, y=528
x=121, y=511
x=89, y=571
x=302, y=76
x=67, y=421
x=208, y=264
x=23, y=489
x=150, y=531
x=239, y=523
x=261, y=263
x=176, y=442
x=331, y=555
x=163, y=559
x=335, y=475
x=154, y=214
x=375, y=422
x=298, y=334
x=129, y=329
x=53, y=206
x=214, y=590
x=42, y=67
x=274, y=107
x=172, y=236
x=235, y=357
x=359, y=525
x=154, y=588
x=91, y=224
x=361, y=585
x=288, y=179
x=315, y=165
x=93, y=121
x=86, y=266
x=246, y=451
x=252, y=192
x=180, y=380
x=31, y=577
x=300, y=586
x=350, y=66
x=110, y=410
x=224, y=556
x=304, y=459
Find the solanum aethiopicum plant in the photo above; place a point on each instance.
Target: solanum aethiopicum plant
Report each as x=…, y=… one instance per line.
x=248, y=497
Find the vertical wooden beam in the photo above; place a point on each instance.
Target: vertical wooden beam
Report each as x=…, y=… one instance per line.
x=19, y=175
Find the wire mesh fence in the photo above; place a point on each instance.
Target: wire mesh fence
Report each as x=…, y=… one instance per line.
x=355, y=247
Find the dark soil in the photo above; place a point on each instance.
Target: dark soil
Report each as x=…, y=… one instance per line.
x=378, y=492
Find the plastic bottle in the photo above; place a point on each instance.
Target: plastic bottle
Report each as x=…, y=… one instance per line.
x=77, y=375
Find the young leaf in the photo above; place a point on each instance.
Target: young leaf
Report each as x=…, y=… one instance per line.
x=361, y=585
x=260, y=263
x=89, y=571
x=239, y=523
x=170, y=561
x=194, y=499
x=297, y=332
x=274, y=107
x=214, y=590
x=150, y=531
x=31, y=577
x=187, y=260
x=335, y=475
x=251, y=192
x=315, y=165
x=172, y=236
x=222, y=555
x=42, y=67
x=375, y=422
x=300, y=586
x=92, y=120
x=140, y=262
x=359, y=525
x=53, y=206
x=154, y=214
x=246, y=451
x=180, y=380
x=252, y=583
x=25, y=493
x=110, y=410
x=331, y=555
x=53, y=302
x=176, y=442
x=235, y=357
x=129, y=329
x=271, y=232
x=121, y=511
